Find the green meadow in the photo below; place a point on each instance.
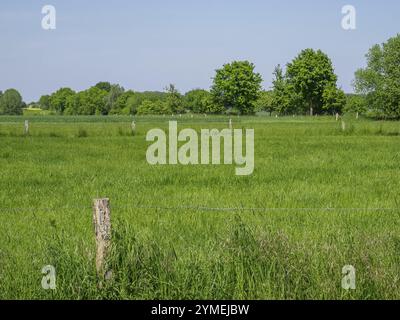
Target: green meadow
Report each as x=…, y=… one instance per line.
x=320, y=198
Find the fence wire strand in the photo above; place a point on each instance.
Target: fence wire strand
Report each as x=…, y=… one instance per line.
x=199, y=209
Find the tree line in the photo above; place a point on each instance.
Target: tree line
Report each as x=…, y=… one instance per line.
x=306, y=85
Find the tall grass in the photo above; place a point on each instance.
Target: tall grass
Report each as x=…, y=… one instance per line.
x=331, y=199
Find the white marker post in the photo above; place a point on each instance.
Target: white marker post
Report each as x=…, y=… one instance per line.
x=26, y=127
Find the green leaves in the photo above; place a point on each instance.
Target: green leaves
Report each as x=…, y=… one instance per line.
x=334, y=99
x=264, y=102
x=309, y=74
x=356, y=103
x=380, y=80
x=88, y=102
x=237, y=86
x=11, y=102
x=174, y=100
x=309, y=82
x=153, y=107
x=58, y=99
x=196, y=100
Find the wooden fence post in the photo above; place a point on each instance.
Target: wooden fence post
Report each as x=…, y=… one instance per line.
x=26, y=127
x=102, y=229
x=230, y=123
x=337, y=116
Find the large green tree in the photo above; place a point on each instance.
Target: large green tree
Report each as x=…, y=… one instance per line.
x=134, y=101
x=11, y=102
x=44, y=102
x=281, y=94
x=285, y=99
x=310, y=73
x=237, y=86
x=104, y=85
x=112, y=96
x=355, y=103
x=380, y=80
x=58, y=99
x=174, y=99
x=88, y=102
x=121, y=105
x=153, y=107
x=197, y=100
x=334, y=99
x=265, y=102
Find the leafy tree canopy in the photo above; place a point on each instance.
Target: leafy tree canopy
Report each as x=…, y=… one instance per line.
x=88, y=102
x=121, y=104
x=44, y=102
x=334, y=99
x=355, y=103
x=237, y=86
x=106, y=86
x=11, y=102
x=59, y=98
x=380, y=80
x=196, y=100
x=153, y=107
x=174, y=99
x=112, y=96
x=265, y=102
x=309, y=74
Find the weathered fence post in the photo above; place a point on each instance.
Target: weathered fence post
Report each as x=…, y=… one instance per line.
x=102, y=229
x=357, y=115
x=26, y=127
x=337, y=116
x=230, y=123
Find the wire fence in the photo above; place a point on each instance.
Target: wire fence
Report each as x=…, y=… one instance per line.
x=202, y=209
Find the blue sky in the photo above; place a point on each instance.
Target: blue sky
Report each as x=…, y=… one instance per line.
x=144, y=45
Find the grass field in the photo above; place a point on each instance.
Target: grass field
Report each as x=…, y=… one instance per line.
x=320, y=198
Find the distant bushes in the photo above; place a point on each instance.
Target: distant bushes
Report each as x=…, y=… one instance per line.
x=11, y=102
x=307, y=85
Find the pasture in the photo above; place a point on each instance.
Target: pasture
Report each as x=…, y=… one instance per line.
x=320, y=198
